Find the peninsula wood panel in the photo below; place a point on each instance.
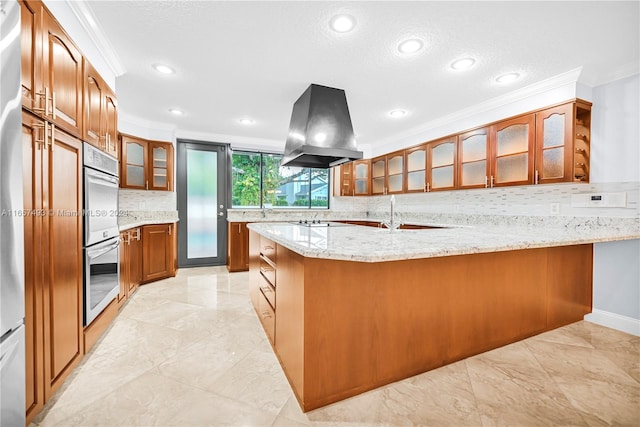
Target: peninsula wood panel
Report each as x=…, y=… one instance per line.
x=346, y=327
x=32, y=135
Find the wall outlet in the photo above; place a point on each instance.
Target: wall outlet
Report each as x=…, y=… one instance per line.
x=554, y=208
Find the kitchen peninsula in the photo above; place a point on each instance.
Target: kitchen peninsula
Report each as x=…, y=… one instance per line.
x=349, y=308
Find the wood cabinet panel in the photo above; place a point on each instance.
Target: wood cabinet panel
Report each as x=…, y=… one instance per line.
x=32, y=137
x=53, y=244
x=364, y=328
x=63, y=77
x=31, y=13
x=238, y=247
x=157, y=252
x=63, y=297
x=100, y=112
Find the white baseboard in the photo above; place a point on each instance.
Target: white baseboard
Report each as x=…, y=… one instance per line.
x=614, y=321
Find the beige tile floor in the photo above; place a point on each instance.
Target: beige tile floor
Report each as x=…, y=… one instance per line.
x=189, y=351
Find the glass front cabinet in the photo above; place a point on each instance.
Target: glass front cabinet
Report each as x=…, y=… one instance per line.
x=146, y=165
x=545, y=146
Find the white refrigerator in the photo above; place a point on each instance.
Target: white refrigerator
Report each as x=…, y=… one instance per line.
x=12, y=329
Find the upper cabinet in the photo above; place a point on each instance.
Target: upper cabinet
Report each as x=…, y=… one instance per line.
x=146, y=165
x=512, y=155
x=31, y=13
x=474, y=167
x=100, y=112
x=62, y=78
x=562, y=143
x=416, y=161
x=59, y=85
x=387, y=173
x=353, y=178
x=441, y=172
x=362, y=177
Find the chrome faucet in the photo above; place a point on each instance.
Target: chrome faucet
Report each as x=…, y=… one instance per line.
x=391, y=224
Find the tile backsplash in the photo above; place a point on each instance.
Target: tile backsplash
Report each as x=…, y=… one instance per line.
x=533, y=200
x=143, y=200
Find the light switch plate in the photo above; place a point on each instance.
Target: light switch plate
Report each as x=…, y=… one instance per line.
x=599, y=200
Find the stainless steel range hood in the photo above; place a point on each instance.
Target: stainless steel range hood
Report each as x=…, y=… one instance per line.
x=320, y=131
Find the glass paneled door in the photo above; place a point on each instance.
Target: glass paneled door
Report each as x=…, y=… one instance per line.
x=202, y=203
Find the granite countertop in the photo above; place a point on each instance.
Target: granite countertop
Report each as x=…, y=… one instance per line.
x=370, y=244
x=132, y=219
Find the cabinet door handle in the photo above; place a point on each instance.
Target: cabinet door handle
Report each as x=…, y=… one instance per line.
x=146, y=185
x=536, y=177
x=491, y=181
x=169, y=230
x=53, y=105
x=486, y=181
x=428, y=187
x=44, y=95
x=266, y=315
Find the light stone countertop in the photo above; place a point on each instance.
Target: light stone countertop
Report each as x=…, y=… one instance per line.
x=370, y=244
x=132, y=219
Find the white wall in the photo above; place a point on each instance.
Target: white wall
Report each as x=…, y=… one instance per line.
x=615, y=157
x=615, y=131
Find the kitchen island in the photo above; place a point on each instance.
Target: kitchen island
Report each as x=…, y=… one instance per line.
x=349, y=308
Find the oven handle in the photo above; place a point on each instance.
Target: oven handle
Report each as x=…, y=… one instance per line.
x=97, y=252
x=101, y=176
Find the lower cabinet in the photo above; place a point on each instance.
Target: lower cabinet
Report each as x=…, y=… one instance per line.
x=130, y=263
x=52, y=191
x=238, y=247
x=158, y=252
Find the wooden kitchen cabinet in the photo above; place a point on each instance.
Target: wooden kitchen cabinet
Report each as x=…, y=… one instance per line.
x=473, y=151
x=158, y=252
x=52, y=190
x=264, y=255
x=31, y=13
x=441, y=169
x=562, y=143
x=416, y=177
x=130, y=263
x=62, y=76
x=499, y=155
x=387, y=173
x=512, y=151
x=100, y=112
x=238, y=247
x=354, y=178
x=146, y=165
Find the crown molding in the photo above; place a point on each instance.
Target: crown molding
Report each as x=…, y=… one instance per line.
x=626, y=70
x=541, y=87
x=90, y=24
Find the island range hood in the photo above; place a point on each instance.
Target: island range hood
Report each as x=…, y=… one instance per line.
x=320, y=131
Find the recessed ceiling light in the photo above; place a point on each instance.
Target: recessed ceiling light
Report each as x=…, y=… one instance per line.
x=410, y=46
x=396, y=114
x=463, y=64
x=246, y=121
x=176, y=111
x=342, y=23
x=508, y=78
x=164, y=69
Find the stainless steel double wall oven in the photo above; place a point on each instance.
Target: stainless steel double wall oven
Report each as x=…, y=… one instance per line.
x=101, y=234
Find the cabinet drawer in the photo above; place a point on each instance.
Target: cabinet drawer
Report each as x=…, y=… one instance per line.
x=268, y=271
x=267, y=317
x=268, y=291
x=268, y=249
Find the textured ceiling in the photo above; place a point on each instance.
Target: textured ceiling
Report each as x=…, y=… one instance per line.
x=253, y=59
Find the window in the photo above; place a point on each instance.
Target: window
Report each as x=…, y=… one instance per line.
x=258, y=181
